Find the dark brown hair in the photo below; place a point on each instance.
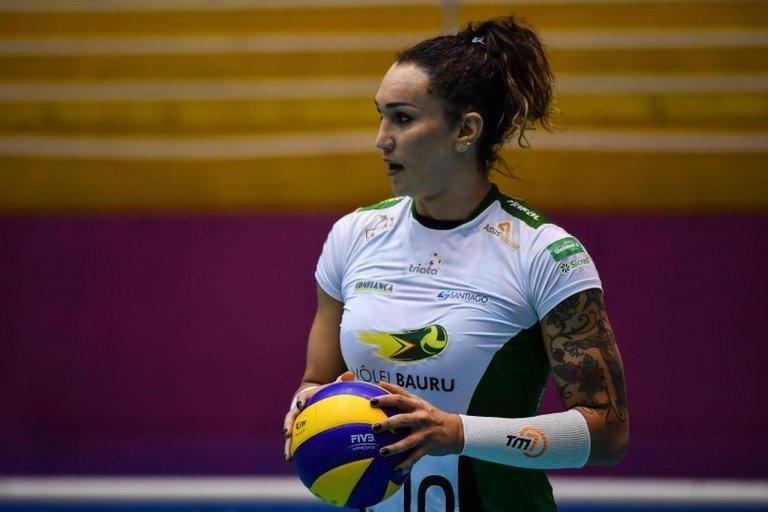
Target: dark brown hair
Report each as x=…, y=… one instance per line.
x=497, y=68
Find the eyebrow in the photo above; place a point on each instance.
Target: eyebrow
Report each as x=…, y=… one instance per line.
x=394, y=104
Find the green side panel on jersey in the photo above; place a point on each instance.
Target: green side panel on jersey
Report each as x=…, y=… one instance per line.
x=382, y=205
x=522, y=210
x=511, y=387
x=512, y=384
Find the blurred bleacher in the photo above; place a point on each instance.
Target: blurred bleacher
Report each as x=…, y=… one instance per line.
x=227, y=105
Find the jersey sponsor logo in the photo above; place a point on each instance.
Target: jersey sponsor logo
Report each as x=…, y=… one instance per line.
x=520, y=206
x=381, y=224
x=431, y=268
x=567, y=266
x=407, y=346
x=531, y=441
x=564, y=247
x=374, y=287
x=405, y=380
x=462, y=296
x=502, y=231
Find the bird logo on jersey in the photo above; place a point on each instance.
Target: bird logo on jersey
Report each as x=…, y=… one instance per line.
x=407, y=346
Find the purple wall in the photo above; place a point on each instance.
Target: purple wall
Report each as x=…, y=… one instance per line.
x=172, y=344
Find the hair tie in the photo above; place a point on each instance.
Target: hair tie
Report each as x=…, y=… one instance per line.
x=479, y=40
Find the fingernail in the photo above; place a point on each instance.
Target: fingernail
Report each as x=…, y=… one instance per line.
x=376, y=427
x=384, y=452
x=374, y=401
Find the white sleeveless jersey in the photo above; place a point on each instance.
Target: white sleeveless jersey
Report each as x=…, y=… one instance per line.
x=452, y=315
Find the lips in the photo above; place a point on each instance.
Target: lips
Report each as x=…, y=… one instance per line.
x=393, y=168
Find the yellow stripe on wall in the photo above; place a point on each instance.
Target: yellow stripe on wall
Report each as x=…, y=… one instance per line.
x=386, y=18
x=369, y=64
x=642, y=111
x=618, y=14
x=550, y=180
x=183, y=131
x=257, y=65
x=405, y=18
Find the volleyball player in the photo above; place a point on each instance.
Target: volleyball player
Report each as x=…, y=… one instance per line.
x=460, y=300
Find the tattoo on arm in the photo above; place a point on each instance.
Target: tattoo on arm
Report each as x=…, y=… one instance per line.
x=585, y=360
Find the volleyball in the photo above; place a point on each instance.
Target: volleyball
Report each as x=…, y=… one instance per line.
x=336, y=454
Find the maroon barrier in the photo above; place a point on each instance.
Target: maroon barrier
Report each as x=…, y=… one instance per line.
x=172, y=344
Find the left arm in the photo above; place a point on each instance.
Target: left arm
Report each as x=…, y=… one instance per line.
x=588, y=372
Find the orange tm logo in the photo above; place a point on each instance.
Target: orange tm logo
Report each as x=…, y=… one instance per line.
x=531, y=441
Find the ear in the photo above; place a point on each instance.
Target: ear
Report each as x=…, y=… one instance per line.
x=470, y=128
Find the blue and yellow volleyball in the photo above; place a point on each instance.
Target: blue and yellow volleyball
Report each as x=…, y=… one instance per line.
x=336, y=454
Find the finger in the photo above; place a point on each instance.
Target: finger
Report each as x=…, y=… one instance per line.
x=398, y=421
x=287, y=450
x=407, y=464
x=304, y=396
x=410, y=442
x=346, y=376
x=402, y=402
x=394, y=388
x=288, y=422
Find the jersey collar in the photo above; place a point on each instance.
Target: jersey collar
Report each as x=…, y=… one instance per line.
x=431, y=223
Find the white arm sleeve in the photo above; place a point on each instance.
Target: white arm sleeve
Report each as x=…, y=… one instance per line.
x=549, y=441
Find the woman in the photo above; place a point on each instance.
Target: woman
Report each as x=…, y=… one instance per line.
x=459, y=300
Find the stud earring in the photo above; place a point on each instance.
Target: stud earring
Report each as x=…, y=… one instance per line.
x=463, y=147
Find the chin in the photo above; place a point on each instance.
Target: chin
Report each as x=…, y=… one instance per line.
x=399, y=190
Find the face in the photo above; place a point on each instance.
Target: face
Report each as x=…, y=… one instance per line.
x=414, y=139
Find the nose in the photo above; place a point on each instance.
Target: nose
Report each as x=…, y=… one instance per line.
x=384, y=142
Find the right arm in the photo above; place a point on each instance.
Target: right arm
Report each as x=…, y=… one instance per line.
x=324, y=360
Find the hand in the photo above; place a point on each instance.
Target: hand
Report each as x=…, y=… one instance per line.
x=298, y=406
x=433, y=432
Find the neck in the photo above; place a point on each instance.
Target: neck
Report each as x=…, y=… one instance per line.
x=455, y=203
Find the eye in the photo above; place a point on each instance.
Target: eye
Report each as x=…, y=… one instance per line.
x=403, y=118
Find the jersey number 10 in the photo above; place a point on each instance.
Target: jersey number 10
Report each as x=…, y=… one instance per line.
x=421, y=494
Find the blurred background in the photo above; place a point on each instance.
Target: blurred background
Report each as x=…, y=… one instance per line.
x=169, y=170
